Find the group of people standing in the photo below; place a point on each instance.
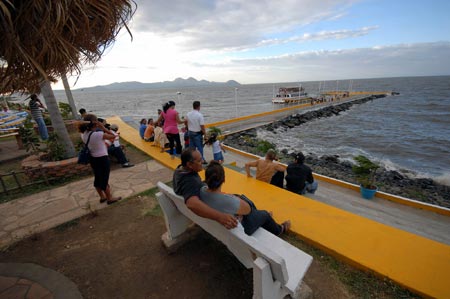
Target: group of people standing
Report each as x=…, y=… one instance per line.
x=169, y=119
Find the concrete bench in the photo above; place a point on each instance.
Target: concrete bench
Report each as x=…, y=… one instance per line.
x=4, y=133
x=278, y=267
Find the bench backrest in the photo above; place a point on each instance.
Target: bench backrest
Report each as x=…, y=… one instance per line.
x=246, y=248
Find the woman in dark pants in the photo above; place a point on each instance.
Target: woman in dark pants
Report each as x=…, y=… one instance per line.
x=96, y=132
x=171, y=121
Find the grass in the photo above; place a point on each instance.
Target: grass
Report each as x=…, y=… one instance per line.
x=63, y=227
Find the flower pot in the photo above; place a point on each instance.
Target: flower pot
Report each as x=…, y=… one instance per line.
x=368, y=193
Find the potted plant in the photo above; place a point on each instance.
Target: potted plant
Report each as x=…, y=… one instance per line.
x=365, y=170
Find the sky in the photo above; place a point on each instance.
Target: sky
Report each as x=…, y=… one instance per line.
x=271, y=41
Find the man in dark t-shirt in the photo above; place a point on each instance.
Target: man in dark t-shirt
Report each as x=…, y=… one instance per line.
x=187, y=183
x=299, y=178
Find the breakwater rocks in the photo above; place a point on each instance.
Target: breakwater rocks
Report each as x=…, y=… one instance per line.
x=393, y=182
x=301, y=118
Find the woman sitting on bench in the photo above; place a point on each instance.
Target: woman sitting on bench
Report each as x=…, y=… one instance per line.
x=250, y=217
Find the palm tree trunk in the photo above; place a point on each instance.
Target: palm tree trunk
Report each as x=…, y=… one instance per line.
x=69, y=96
x=57, y=121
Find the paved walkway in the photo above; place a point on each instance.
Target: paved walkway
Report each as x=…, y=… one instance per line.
x=39, y=212
x=30, y=281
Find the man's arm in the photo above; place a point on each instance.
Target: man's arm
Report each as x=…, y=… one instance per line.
x=280, y=167
x=203, y=210
x=248, y=165
x=202, y=128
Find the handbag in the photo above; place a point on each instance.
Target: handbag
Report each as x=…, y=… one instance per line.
x=84, y=155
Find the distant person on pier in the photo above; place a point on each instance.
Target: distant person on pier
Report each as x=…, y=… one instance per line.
x=217, y=148
x=171, y=121
x=35, y=109
x=299, y=177
x=196, y=125
x=149, y=134
x=265, y=168
x=142, y=127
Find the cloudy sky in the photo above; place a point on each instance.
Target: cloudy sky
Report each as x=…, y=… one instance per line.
x=269, y=41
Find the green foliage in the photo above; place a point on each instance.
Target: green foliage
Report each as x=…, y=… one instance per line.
x=55, y=150
x=263, y=146
x=216, y=130
x=29, y=138
x=365, y=171
x=47, y=120
x=66, y=110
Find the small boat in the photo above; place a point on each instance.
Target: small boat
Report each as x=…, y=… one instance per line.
x=287, y=95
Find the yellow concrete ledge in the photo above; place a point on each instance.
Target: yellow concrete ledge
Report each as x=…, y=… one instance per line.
x=420, y=264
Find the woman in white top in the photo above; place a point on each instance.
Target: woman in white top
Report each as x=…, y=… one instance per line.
x=96, y=132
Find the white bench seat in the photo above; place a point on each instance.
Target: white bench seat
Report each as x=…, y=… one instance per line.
x=278, y=267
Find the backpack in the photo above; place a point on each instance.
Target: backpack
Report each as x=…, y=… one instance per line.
x=84, y=155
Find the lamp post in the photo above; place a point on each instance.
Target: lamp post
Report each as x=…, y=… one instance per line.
x=179, y=102
x=235, y=101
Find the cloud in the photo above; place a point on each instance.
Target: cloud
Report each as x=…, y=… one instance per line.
x=322, y=35
x=228, y=24
x=419, y=59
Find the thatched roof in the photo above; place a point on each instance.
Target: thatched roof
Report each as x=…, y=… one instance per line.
x=43, y=39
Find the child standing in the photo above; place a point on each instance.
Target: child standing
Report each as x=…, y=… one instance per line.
x=217, y=148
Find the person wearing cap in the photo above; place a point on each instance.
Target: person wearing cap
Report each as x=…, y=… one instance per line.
x=265, y=168
x=115, y=148
x=196, y=125
x=299, y=177
x=171, y=120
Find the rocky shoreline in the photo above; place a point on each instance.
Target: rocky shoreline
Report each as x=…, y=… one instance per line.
x=394, y=182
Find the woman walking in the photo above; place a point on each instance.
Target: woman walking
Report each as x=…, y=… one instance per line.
x=93, y=134
x=171, y=121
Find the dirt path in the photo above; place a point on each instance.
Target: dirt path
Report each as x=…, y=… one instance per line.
x=119, y=254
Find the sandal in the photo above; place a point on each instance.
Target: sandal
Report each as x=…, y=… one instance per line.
x=285, y=226
x=102, y=200
x=114, y=200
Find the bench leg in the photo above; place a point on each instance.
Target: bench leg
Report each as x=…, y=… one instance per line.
x=263, y=285
x=179, y=227
x=265, y=288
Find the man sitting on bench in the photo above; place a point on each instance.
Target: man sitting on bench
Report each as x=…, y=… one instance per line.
x=187, y=183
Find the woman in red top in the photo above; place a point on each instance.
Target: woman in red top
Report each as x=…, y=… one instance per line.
x=171, y=121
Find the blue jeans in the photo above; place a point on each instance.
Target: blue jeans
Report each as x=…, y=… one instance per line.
x=310, y=187
x=196, y=141
x=42, y=128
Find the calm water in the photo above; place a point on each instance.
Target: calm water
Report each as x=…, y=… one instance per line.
x=409, y=132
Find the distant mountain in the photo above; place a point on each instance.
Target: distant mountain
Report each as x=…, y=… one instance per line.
x=178, y=82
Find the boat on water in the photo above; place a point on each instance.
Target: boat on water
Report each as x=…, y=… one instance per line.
x=287, y=95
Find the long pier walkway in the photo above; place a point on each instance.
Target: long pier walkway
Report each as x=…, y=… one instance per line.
x=385, y=240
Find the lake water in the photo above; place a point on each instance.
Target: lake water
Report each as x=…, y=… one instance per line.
x=409, y=132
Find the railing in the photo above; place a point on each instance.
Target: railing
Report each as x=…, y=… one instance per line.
x=20, y=181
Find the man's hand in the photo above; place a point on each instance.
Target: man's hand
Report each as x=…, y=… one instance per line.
x=228, y=220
